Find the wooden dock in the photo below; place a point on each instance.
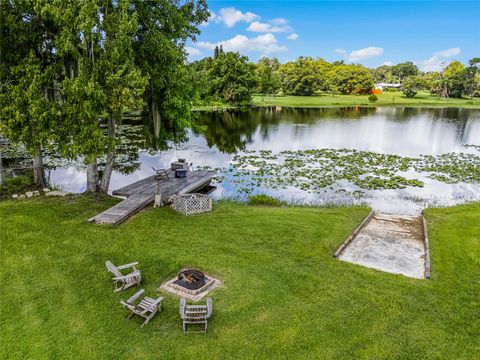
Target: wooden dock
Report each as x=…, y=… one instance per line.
x=142, y=193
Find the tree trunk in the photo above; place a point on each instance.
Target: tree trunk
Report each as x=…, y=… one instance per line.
x=107, y=172
x=38, y=173
x=156, y=118
x=2, y=181
x=92, y=177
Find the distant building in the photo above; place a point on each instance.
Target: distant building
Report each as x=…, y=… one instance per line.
x=382, y=86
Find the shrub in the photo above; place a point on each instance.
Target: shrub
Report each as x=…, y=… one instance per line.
x=265, y=200
x=412, y=85
x=16, y=184
x=409, y=93
x=372, y=98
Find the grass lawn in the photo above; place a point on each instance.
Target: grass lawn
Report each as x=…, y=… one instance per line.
x=384, y=99
x=284, y=295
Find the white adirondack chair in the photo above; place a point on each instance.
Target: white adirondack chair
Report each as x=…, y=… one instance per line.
x=147, y=307
x=121, y=281
x=195, y=314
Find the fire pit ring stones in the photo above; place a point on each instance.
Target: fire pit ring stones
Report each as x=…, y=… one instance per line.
x=191, y=284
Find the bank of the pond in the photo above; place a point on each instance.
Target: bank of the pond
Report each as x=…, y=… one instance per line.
x=283, y=291
x=391, y=99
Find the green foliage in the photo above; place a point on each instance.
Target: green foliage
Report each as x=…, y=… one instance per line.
x=16, y=185
x=304, y=76
x=373, y=98
x=268, y=75
x=455, y=76
x=409, y=92
x=164, y=27
x=351, y=79
x=383, y=74
x=67, y=65
x=472, y=78
x=457, y=80
x=26, y=114
x=412, y=85
x=231, y=78
x=403, y=70
x=263, y=200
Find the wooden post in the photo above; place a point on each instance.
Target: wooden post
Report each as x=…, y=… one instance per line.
x=158, y=195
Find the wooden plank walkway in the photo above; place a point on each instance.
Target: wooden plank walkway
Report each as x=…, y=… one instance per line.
x=142, y=193
x=392, y=243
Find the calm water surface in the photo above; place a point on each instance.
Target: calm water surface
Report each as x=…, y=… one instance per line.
x=401, y=131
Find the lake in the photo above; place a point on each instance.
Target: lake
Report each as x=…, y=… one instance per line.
x=344, y=151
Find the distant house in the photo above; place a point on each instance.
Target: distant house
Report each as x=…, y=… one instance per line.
x=382, y=86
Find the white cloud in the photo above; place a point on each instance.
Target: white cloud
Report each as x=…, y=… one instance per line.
x=341, y=51
x=293, y=36
x=191, y=51
x=257, y=26
x=388, y=63
x=265, y=44
x=448, y=52
x=279, y=21
x=230, y=16
x=439, y=60
x=434, y=63
x=365, y=53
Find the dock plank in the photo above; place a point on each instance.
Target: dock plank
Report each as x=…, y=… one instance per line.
x=123, y=210
x=142, y=193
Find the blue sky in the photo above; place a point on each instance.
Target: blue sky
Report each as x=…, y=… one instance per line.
x=430, y=33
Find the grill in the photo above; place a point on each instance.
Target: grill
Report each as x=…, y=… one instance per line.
x=191, y=279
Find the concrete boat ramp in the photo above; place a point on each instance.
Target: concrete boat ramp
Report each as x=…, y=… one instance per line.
x=142, y=193
x=392, y=243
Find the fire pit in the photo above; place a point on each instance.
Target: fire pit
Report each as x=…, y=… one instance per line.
x=191, y=284
x=190, y=279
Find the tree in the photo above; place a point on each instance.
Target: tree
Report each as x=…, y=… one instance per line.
x=304, y=76
x=471, y=74
x=28, y=111
x=84, y=63
x=232, y=78
x=351, y=79
x=201, y=78
x=403, y=70
x=268, y=75
x=412, y=85
x=164, y=28
x=454, y=75
x=383, y=73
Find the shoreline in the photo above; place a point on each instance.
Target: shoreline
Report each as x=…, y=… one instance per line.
x=339, y=101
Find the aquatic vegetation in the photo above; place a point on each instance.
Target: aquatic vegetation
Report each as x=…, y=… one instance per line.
x=315, y=170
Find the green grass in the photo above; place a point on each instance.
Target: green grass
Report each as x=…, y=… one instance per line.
x=384, y=99
x=284, y=295
x=17, y=185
